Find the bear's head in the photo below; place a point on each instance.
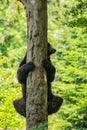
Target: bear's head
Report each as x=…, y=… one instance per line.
x=50, y=50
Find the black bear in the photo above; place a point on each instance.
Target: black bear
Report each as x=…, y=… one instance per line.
x=54, y=102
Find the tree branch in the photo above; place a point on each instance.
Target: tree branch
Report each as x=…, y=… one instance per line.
x=23, y=2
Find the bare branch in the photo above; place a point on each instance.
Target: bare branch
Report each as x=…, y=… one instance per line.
x=23, y=2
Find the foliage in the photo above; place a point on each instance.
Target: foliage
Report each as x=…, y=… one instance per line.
x=42, y=126
x=12, y=36
x=71, y=78
x=67, y=31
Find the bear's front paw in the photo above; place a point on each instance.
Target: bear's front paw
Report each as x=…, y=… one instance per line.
x=31, y=65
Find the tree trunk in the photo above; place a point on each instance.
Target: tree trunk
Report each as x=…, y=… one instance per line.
x=36, y=99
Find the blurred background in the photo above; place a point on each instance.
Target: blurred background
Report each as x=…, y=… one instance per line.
x=67, y=32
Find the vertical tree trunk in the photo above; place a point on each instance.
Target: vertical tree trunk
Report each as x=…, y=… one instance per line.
x=36, y=100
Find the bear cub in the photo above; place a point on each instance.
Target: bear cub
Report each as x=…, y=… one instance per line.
x=54, y=102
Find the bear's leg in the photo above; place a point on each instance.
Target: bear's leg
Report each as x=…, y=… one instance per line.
x=50, y=69
x=54, y=104
x=20, y=106
x=23, y=71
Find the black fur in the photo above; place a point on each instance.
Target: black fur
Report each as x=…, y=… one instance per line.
x=54, y=102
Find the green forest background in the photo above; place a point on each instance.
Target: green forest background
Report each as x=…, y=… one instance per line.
x=67, y=32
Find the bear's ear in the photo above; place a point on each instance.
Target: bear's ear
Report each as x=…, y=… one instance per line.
x=51, y=50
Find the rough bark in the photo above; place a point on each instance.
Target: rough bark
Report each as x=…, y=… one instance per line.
x=36, y=100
